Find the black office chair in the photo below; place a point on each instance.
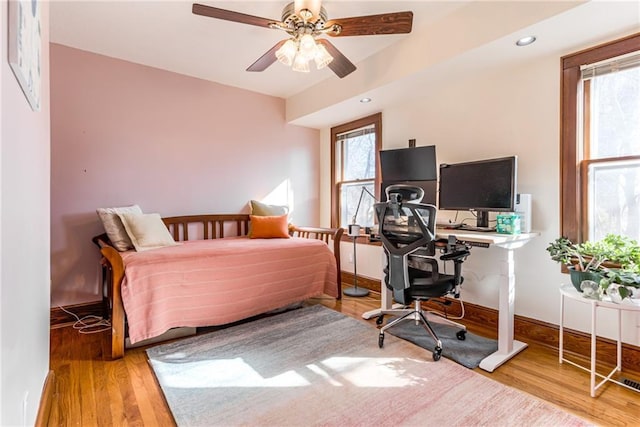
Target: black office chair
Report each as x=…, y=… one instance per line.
x=407, y=232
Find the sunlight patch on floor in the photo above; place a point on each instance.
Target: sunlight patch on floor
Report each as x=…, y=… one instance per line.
x=226, y=373
x=378, y=372
x=375, y=371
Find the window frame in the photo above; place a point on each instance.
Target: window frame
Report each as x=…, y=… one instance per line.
x=376, y=121
x=573, y=198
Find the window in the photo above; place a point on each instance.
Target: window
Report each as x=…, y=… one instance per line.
x=355, y=164
x=600, y=141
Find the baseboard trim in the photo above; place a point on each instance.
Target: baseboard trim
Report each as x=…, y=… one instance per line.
x=526, y=329
x=60, y=318
x=46, y=400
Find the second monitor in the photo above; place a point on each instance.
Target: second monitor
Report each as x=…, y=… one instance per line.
x=482, y=186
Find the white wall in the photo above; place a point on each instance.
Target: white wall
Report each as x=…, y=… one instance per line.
x=24, y=239
x=514, y=110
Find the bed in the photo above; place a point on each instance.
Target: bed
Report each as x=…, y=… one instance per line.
x=214, y=276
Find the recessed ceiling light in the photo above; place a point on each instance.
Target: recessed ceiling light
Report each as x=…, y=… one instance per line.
x=526, y=41
x=365, y=100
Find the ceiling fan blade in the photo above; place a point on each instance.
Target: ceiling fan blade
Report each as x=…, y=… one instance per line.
x=267, y=59
x=386, y=23
x=340, y=64
x=229, y=15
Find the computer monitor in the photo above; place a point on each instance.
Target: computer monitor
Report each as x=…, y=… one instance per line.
x=482, y=186
x=409, y=164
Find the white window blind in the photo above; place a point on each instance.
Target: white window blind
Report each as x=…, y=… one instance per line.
x=620, y=63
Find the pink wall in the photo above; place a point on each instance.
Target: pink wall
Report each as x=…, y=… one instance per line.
x=123, y=133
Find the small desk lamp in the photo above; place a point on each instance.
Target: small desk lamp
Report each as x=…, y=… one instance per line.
x=354, y=232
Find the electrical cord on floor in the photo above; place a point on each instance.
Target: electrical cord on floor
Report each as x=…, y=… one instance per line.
x=446, y=316
x=89, y=324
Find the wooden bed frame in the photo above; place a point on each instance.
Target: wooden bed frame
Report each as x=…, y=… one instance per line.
x=212, y=227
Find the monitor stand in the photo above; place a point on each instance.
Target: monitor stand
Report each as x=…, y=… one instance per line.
x=482, y=223
x=482, y=220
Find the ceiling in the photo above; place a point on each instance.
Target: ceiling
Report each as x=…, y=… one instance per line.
x=453, y=36
x=166, y=35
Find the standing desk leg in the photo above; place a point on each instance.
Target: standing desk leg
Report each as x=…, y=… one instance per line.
x=507, y=346
x=386, y=297
x=385, y=303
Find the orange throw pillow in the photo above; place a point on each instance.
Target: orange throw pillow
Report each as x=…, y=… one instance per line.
x=269, y=227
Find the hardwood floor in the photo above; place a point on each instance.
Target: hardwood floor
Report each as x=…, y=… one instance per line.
x=92, y=391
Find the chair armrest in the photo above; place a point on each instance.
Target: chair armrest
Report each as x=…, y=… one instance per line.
x=455, y=255
x=435, y=272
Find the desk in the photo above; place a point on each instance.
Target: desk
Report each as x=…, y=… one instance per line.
x=507, y=346
x=568, y=291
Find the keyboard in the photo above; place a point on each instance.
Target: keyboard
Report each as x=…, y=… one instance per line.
x=477, y=244
x=473, y=228
x=449, y=225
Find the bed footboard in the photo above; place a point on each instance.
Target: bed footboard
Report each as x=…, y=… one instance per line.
x=326, y=235
x=200, y=227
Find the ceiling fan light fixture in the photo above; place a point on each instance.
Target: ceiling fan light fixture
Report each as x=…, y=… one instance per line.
x=304, y=21
x=307, y=9
x=287, y=52
x=322, y=58
x=300, y=64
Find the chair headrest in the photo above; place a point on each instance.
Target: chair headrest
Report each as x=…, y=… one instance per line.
x=407, y=192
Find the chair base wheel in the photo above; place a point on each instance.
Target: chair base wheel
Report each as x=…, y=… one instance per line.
x=380, y=319
x=437, y=354
x=461, y=335
x=381, y=340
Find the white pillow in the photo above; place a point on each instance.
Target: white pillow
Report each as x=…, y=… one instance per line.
x=147, y=231
x=113, y=225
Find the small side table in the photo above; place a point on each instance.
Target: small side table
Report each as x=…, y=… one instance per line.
x=568, y=291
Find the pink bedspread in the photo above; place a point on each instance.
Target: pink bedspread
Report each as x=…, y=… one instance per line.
x=214, y=282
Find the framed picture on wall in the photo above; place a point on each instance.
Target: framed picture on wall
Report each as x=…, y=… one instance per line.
x=25, y=45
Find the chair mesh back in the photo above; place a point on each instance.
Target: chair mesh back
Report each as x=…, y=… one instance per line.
x=403, y=229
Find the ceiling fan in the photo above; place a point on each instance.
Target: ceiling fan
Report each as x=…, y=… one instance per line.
x=305, y=21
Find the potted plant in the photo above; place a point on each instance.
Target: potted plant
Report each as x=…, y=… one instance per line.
x=581, y=266
x=620, y=283
x=573, y=255
x=592, y=259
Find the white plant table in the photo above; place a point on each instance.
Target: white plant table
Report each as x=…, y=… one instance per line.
x=568, y=291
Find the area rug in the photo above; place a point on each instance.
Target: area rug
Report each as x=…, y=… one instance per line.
x=468, y=353
x=317, y=367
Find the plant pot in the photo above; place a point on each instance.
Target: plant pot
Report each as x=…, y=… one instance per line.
x=578, y=276
x=613, y=292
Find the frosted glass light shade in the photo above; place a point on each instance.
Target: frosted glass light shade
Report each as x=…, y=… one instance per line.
x=287, y=52
x=307, y=47
x=322, y=58
x=300, y=64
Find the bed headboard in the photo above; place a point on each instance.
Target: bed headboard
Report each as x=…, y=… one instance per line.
x=210, y=226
